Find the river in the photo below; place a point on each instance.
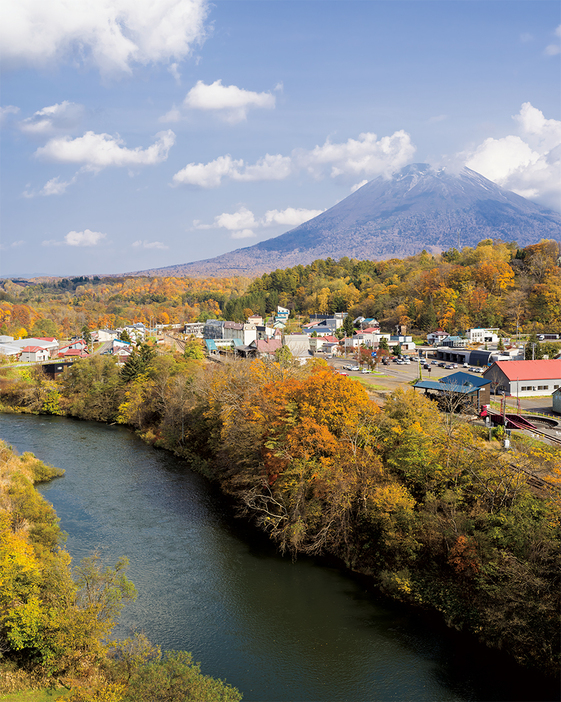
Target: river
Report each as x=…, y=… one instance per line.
x=276, y=629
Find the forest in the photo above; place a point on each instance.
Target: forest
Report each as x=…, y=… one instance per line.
x=423, y=503
x=494, y=284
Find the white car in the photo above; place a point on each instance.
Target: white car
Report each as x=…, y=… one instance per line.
x=354, y=368
x=366, y=370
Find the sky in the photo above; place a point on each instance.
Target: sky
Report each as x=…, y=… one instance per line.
x=147, y=133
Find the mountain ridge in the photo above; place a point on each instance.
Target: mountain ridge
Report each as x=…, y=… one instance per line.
x=417, y=208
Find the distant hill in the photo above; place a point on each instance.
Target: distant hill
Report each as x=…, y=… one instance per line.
x=418, y=208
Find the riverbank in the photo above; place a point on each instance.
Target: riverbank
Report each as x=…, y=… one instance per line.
x=416, y=501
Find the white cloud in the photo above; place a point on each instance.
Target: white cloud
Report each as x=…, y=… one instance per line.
x=85, y=238
x=210, y=175
x=149, y=245
x=243, y=222
x=243, y=234
x=97, y=151
x=13, y=245
x=229, y=100
x=554, y=49
x=357, y=186
x=111, y=34
x=8, y=110
x=54, y=186
x=368, y=156
x=174, y=70
x=65, y=115
x=291, y=216
x=529, y=163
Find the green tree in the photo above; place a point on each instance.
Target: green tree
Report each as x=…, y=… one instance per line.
x=348, y=326
x=86, y=334
x=194, y=349
x=284, y=357
x=125, y=336
x=44, y=328
x=533, y=348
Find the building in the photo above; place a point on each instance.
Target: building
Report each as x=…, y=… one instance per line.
x=478, y=335
x=556, y=401
x=458, y=390
x=525, y=378
x=435, y=337
x=299, y=346
x=34, y=354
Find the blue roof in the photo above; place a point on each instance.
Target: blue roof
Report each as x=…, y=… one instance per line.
x=461, y=378
x=211, y=346
x=446, y=387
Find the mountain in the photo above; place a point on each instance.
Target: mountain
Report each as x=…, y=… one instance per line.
x=418, y=208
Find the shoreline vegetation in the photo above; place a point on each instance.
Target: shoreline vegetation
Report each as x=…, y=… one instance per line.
x=56, y=619
x=435, y=515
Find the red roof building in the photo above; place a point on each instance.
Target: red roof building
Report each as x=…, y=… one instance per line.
x=525, y=378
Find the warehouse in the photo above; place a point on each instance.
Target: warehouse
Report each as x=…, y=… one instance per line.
x=525, y=378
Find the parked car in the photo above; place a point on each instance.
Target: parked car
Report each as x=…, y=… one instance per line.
x=434, y=363
x=366, y=370
x=450, y=366
x=442, y=365
x=341, y=373
x=354, y=368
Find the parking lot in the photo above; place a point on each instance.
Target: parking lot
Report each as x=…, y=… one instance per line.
x=390, y=377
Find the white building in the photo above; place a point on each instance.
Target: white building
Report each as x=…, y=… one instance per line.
x=479, y=335
x=525, y=378
x=33, y=354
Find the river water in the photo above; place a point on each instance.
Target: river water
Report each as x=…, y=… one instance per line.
x=207, y=583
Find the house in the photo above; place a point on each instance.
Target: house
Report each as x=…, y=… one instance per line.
x=77, y=345
x=458, y=389
x=194, y=329
x=525, y=378
x=255, y=319
x=282, y=315
x=266, y=348
x=103, y=335
x=320, y=343
x=51, y=344
x=367, y=324
x=434, y=338
x=73, y=353
x=34, y=354
x=455, y=342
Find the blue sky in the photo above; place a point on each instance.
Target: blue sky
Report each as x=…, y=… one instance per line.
x=149, y=133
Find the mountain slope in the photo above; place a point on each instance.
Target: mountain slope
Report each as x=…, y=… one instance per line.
x=418, y=208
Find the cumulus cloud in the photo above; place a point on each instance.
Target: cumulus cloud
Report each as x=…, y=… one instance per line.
x=210, y=175
x=111, y=34
x=230, y=101
x=65, y=115
x=85, y=238
x=149, y=245
x=97, y=151
x=243, y=222
x=529, y=162
x=366, y=156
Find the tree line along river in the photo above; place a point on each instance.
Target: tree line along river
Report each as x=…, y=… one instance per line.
x=208, y=583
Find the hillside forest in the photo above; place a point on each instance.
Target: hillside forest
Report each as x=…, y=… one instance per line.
x=494, y=284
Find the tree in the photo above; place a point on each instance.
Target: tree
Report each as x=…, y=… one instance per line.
x=284, y=357
x=125, y=336
x=533, y=349
x=194, y=349
x=86, y=334
x=348, y=326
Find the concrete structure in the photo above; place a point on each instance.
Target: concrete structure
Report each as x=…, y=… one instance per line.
x=525, y=378
x=194, y=329
x=299, y=345
x=478, y=335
